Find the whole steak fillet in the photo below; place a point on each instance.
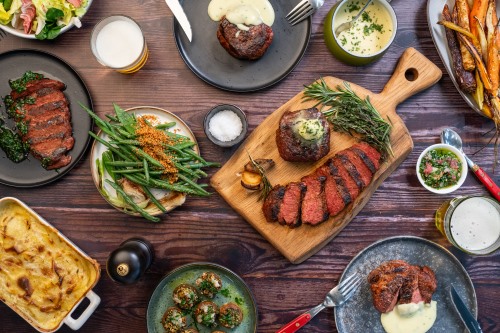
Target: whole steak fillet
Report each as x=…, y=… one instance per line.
x=292, y=147
x=241, y=44
x=43, y=118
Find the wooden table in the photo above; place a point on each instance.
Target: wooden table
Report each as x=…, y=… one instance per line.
x=208, y=229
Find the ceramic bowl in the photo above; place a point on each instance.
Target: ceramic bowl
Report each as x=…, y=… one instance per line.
x=20, y=33
x=218, y=109
x=463, y=172
x=335, y=46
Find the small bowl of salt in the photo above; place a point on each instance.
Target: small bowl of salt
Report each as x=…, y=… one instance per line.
x=226, y=125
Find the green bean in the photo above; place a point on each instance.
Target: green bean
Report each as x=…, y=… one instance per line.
x=177, y=187
x=183, y=159
x=202, y=165
x=153, y=199
x=166, y=125
x=193, y=184
x=131, y=202
x=186, y=170
x=123, y=171
x=112, y=118
x=184, y=145
x=148, y=157
x=107, y=157
x=124, y=164
x=126, y=142
x=110, y=147
x=146, y=169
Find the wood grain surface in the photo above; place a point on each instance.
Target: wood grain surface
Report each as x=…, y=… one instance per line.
x=298, y=244
x=209, y=229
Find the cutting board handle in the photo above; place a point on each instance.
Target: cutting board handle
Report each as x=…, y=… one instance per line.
x=413, y=74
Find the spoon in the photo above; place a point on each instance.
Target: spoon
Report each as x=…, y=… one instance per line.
x=452, y=138
x=347, y=25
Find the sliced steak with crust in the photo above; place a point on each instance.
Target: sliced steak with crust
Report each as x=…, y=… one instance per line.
x=351, y=169
x=289, y=213
x=42, y=111
x=351, y=185
x=371, y=152
x=272, y=203
x=339, y=181
x=36, y=85
x=363, y=171
x=314, y=209
x=334, y=201
x=241, y=44
x=366, y=160
x=427, y=283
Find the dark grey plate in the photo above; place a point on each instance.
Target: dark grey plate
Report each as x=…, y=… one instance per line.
x=210, y=61
x=29, y=173
x=359, y=315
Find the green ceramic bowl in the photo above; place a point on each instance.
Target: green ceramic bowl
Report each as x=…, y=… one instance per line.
x=342, y=54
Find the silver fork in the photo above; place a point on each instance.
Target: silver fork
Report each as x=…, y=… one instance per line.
x=337, y=296
x=304, y=9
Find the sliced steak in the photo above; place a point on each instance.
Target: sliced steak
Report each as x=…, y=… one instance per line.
x=385, y=282
x=366, y=160
x=42, y=112
x=241, y=44
x=272, y=203
x=314, y=209
x=371, y=152
x=363, y=171
x=351, y=185
x=409, y=290
x=36, y=85
x=289, y=213
x=291, y=144
x=339, y=181
x=427, y=283
x=334, y=201
x=351, y=169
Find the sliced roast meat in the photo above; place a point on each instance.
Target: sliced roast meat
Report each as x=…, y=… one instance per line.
x=351, y=185
x=427, y=283
x=314, y=210
x=371, y=152
x=36, y=85
x=366, y=160
x=289, y=213
x=272, y=203
x=363, y=171
x=397, y=282
x=334, y=201
x=351, y=169
x=339, y=181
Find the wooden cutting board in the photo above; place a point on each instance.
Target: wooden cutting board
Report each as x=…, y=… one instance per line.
x=413, y=73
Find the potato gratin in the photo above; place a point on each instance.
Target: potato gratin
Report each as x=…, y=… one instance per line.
x=42, y=276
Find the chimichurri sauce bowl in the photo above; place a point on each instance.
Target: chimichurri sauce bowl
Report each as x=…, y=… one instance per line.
x=441, y=168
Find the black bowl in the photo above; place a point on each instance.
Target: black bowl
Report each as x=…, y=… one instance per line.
x=238, y=112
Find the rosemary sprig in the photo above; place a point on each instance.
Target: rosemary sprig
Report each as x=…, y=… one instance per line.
x=267, y=186
x=350, y=114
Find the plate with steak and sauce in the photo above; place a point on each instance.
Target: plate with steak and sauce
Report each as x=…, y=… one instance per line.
x=57, y=126
x=345, y=154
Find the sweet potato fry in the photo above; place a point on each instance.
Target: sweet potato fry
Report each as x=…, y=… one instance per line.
x=478, y=10
x=462, y=12
x=465, y=79
x=479, y=63
x=493, y=63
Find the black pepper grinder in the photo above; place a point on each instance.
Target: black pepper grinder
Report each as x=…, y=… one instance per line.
x=128, y=263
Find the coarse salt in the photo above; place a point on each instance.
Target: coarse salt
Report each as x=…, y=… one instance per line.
x=225, y=125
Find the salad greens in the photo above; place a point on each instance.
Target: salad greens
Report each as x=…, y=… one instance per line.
x=51, y=15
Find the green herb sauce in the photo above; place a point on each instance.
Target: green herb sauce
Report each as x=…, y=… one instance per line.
x=19, y=85
x=440, y=168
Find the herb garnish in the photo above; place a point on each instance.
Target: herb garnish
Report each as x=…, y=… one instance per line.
x=225, y=292
x=351, y=115
x=19, y=85
x=239, y=300
x=267, y=184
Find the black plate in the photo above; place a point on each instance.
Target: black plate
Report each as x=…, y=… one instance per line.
x=359, y=315
x=30, y=173
x=210, y=61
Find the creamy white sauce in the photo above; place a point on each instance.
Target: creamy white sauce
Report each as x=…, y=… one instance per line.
x=410, y=318
x=242, y=13
x=119, y=43
x=475, y=224
x=370, y=33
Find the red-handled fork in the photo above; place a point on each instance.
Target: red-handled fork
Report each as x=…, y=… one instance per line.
x=335, y=297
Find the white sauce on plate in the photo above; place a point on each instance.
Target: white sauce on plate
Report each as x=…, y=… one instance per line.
x=370, y=33
x=119, y=43
x=410, y=318
x=475, y=224
x=242, y=13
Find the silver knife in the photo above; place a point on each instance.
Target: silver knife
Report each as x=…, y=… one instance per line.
x=464, y=312
x=181, y=17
